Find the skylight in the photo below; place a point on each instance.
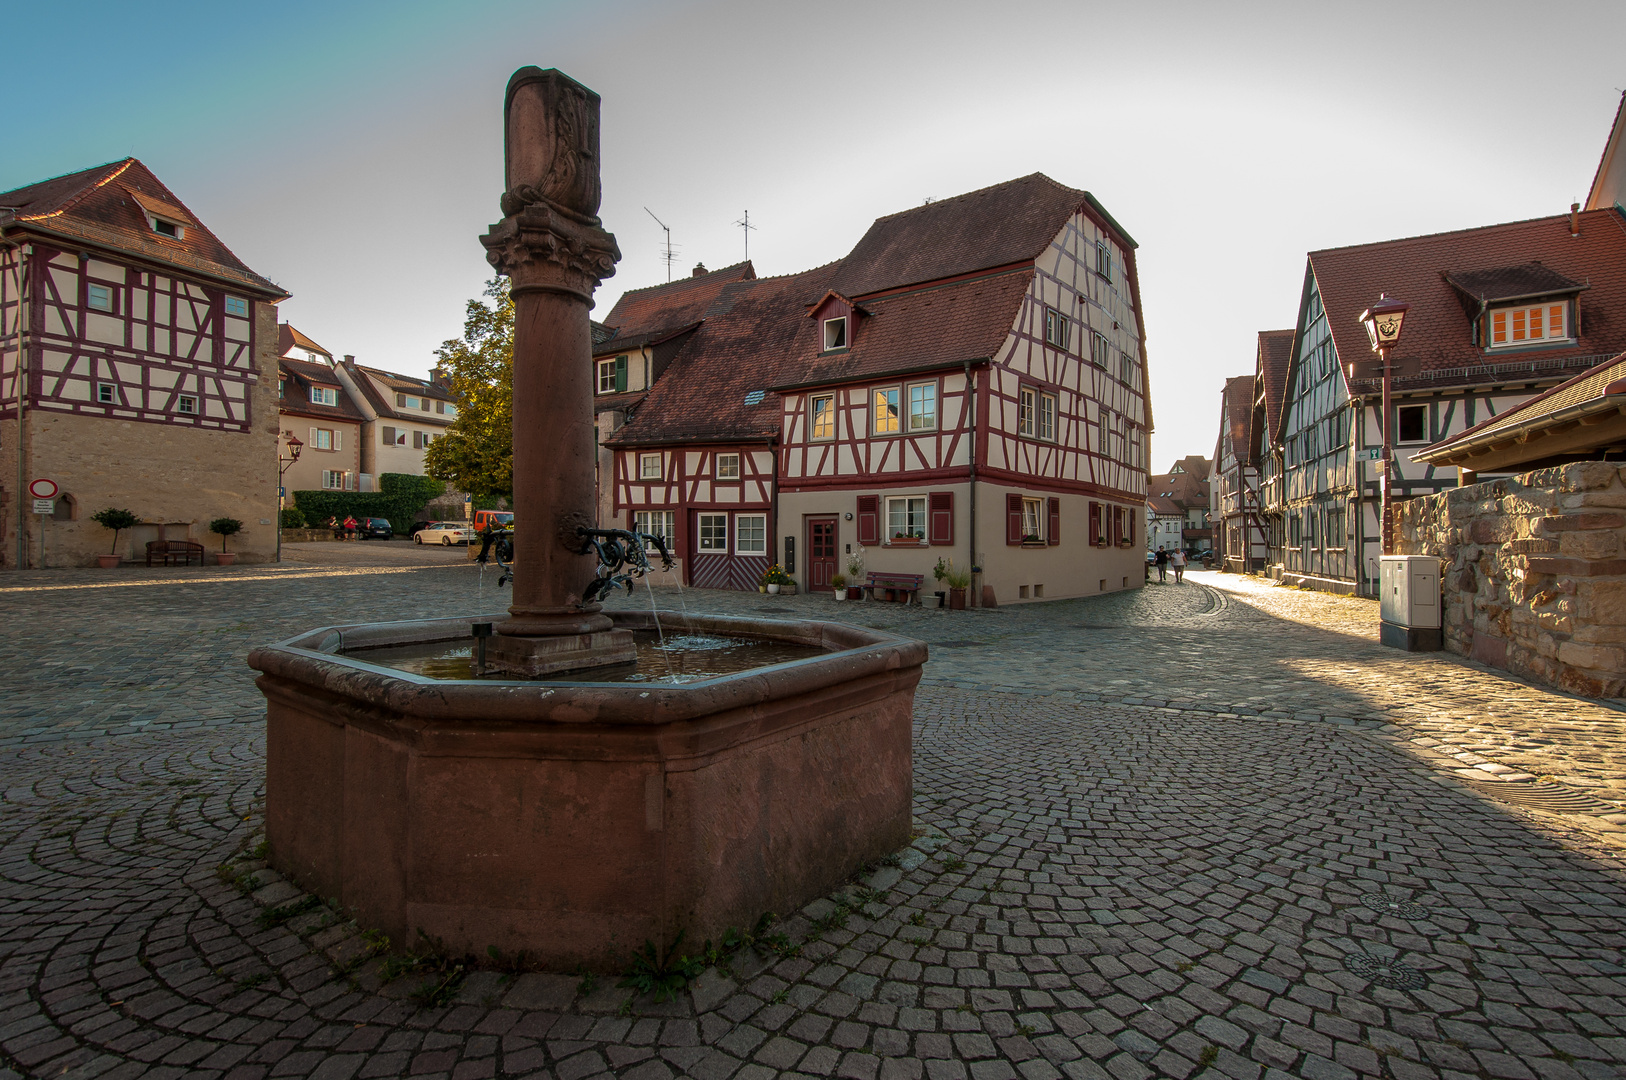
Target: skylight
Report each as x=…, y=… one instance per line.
x=755, y=397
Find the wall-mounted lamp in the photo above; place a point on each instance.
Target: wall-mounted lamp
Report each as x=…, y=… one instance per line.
x=849, y=517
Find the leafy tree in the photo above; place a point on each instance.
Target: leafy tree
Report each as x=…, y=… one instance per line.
x=477, y=453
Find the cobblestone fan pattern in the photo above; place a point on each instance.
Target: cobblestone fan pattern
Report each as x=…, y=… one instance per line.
x=163, y=650
x=1096, y=891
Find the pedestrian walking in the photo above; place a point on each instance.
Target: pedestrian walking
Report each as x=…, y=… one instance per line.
x=1162, y=566
x=1177, y=559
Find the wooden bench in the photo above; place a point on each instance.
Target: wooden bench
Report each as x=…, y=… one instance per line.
x=174, y=552
x=894, y=583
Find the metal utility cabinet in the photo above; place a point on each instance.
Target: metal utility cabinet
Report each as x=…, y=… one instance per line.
x=1409, y=589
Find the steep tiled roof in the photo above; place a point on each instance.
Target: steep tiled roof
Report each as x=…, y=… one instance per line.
x=300, y=376
x=911, y=331
x=714, y=388
x=384, y=403
x=1438, y=334
x=1599, y=196
x=103, y=206
x=290, y=338
x=1236, y=410
x=1608, y=379
x=1165, y=507
x=645, y=316
x=1270, y=378
x=997, y=226
x=1185, y=489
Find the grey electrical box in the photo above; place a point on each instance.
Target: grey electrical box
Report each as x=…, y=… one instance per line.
x=1409, y=594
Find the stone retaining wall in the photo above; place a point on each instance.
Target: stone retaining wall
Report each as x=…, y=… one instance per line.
x=1535, y=572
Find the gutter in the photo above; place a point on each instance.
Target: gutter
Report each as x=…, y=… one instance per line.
x=275, y=294
x=871, y=376
x=1613, y=397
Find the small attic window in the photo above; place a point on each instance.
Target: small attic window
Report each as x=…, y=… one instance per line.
x=755, y=397
x=835, y=333
x=168, y=228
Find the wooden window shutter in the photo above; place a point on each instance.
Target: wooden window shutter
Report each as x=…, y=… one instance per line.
x=869, y=519
x=1013, y=519
x=338, y=439
x=1095, y=522
x=940, y=519
x=620, y=373
x=1053, y=526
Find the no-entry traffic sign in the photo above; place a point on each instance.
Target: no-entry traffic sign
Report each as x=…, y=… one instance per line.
x=43, y=488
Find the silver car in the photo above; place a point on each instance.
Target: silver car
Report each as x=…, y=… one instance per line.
x=446, y=533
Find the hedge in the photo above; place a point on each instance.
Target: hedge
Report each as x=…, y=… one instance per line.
x=399, y=498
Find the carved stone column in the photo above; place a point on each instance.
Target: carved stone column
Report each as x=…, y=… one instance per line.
x=554, y=250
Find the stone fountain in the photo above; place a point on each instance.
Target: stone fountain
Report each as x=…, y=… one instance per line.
x=574, y=821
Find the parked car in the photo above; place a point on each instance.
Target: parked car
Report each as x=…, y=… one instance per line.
x=445, y=533
x=502, y=519
x=374, y=529
x=418, y=526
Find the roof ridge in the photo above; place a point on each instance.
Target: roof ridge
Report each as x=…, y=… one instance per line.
x=979, y=191
x=67, y=175
x=72, y=200
x=1550, y=218
x=692, y=278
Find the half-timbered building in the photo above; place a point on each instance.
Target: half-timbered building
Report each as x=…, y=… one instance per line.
x=138, y=368
x=968, y=384
x=1498, y=314
x=1239, y=541
x=636, y=343
x=1272, y=360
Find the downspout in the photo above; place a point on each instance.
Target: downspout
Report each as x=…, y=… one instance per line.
x=21, y=377
x=773, y=501
x=971, y=399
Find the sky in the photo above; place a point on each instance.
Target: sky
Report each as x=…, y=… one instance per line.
x=352, y=152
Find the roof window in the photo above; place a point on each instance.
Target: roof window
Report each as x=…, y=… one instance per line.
x=755, y=397
x=835, y=333
x=1529, y=324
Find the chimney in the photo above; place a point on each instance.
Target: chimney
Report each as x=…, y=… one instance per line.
x=349, y=359
x=1575, y=219
x=438, y=376
x=699, y=270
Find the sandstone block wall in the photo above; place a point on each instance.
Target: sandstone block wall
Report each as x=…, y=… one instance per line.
x=1535, y=572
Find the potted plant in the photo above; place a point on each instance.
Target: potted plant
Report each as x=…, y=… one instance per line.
x=776, y=578
x=855, y=571
x=118, y=521
x=225, y=527
x=957, y=581
x=838, y=582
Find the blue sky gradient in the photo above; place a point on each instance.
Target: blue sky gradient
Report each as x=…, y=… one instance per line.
x=352, y=151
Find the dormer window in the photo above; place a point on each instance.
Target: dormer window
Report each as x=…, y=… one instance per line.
x=324, y=395
x=835, y=333
x=1529, y=325
x=168, y=228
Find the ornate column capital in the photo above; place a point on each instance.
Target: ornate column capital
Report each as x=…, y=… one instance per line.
x=545, y=249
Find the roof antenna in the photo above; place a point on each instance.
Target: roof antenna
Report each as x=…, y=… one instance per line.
x=668, y=254
x=747, y=228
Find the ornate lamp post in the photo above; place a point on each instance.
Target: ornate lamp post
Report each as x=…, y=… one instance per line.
x=283, y=465
x=1383, y=321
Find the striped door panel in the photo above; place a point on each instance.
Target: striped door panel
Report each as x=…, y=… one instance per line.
x=728, y=571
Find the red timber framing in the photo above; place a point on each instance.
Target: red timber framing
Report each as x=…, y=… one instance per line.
x=113, y=339
x=716, y=500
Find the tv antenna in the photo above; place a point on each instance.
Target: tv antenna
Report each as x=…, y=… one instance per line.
x=667, y=251
x=747, y=228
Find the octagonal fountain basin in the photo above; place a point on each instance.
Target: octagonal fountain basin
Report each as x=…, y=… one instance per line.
x=575, y=820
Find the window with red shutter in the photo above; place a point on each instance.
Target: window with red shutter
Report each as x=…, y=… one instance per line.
x=940, y=520
x=1013, y=519
x=869, y=519
x=1117, y=525
x=1053, y=533
x=1095, y=523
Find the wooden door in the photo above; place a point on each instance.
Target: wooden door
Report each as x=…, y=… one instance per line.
x=821, y=552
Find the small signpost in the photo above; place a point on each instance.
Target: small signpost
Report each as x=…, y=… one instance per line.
x=44, y=492
x=1371, y=453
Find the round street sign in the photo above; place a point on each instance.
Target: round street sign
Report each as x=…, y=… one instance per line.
x=42, y=488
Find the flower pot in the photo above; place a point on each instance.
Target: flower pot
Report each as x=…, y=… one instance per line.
x=225, y=558
x=108, y=562
x=762, y=588
x=855, y=592
x=841, y=593
x=773, y=590
x=956, y=599
x=932, y=600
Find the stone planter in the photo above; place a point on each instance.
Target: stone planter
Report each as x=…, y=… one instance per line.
x=225, y=558
x=576, y=821
x=931, y=600
x=109, y=562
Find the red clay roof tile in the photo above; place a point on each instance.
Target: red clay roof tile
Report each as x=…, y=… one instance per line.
x=645, y=316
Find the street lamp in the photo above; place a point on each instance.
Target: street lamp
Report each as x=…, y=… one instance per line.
x=283, y=465
x=1383, y=321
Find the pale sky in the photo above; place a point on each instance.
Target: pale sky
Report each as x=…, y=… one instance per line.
x=353, y=152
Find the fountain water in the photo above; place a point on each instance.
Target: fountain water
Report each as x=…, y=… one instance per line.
x=573, y=821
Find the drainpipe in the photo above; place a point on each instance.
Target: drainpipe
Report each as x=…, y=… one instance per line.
x=973, y=600
x=20, y=338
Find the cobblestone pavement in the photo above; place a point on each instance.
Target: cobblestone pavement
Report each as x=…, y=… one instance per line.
x=1198, y=830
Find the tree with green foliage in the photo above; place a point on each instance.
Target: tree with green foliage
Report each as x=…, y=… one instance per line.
x=477, y=453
